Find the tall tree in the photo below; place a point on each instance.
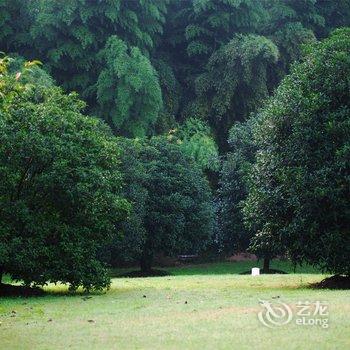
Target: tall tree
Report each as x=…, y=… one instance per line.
x=213, y=23
x=299, y=194
x=195, y=29
x=15, y=22
x=335, y=13
x=70, y=37
x=235, y=82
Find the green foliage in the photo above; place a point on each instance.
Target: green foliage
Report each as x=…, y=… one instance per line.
x=233, y=188
x=14, y=22
x=197, y=31
x=195, y=140
x=170, y=93
x=70, y=34
x=181, y=39
x=60, y=185
x=32, y=74
x=172, y=209
x=70, y=37
x=290, y=40
x=193, y=70
x=6, y=29
x=299, y=195
x=128, y=90
x=213, y=22
x=235, y=80
x=335, y=13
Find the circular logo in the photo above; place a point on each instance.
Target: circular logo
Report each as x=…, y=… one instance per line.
x=273, y=315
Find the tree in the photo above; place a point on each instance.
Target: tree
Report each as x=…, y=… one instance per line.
x=235, y=81
x=299, y=195
x=199, y=30
x=213, y=23
x=291, y=24
x=186, y=42
x=238, y=234
x=170, y=93
x=336, y=14
x=233, y=189
x=14, y=25
x=195, y=140
x=172, y=208
x=128, y=90
x=60, y=185
x=32, y=74
x=194, y=30
x=70, y=37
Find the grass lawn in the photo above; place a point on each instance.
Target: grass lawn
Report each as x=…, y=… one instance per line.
x=198, y=307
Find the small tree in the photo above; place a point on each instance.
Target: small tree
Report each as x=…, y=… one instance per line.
x=60, y=186
x=300, y=196
x=172, y=208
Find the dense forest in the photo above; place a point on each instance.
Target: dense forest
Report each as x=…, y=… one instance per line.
x=130, y=128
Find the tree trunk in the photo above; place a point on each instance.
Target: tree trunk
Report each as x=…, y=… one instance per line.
x=1, y=273
x=266, y=267
x=146, y=262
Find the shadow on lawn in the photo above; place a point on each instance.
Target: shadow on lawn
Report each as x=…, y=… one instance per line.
x=333, y=282
x=9, y=290
x=16, y=291
x=218, y=268
x=139, y=273
x=268, y=272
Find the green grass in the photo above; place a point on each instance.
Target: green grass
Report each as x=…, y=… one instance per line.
x=199, y=307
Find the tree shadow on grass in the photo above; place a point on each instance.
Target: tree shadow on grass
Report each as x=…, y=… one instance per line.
x=241, y=268
x=217, y=268
x=139, y=273
x=17, y=291
x=10, y=290
x=333, y=282
x=269, y=272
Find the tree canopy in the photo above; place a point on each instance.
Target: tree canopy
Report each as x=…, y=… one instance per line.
x=128, y=90
x=245, y=101
x=213, y=59
x=60, y=188
x=172, y=206
x=299, y=195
